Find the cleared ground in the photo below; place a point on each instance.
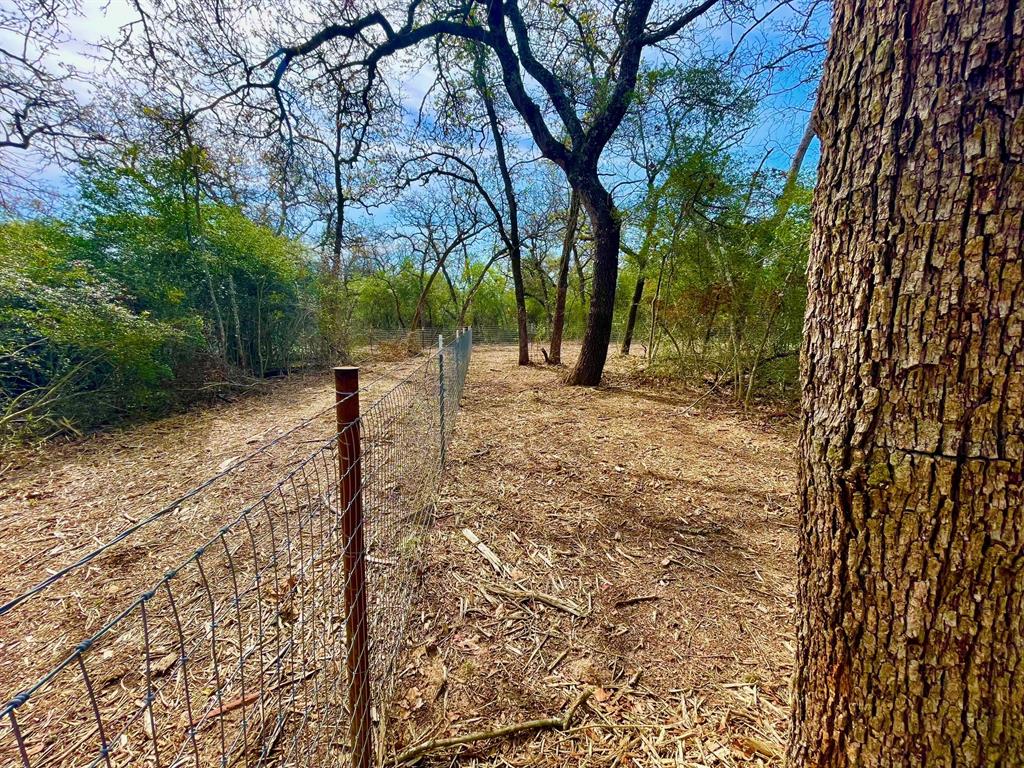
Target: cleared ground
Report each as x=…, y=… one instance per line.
x=669, y=528
x=630, y=541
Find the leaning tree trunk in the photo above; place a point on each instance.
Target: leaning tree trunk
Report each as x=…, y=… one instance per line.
x=638, y=295
x=515, y=246
x=522, y=320
x=911, y=570
x=562, y=286
x=604, y=224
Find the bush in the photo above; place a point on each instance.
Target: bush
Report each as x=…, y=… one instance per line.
x=73, y=354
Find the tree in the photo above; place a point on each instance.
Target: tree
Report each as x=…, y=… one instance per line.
x=437, y=224
x=568, y=70
x=331, y=133
x=562, y=281
x=677, y=113
x=513, y=241
x=911, y=577
x=468, y=112
x=42, y=117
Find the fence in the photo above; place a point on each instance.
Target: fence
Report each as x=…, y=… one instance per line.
x=267, y=644
x=369, y=342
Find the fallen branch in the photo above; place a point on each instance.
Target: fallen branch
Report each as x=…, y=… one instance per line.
x=635, y=600
x=238, y=702
x=486, y=551
x=540, y=597
x=561, y=723
x=695, y=403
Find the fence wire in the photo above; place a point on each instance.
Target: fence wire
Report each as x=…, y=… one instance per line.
x=239, y=655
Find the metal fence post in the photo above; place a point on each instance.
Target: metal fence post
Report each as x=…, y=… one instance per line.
x=350, y=482
x=440, y=390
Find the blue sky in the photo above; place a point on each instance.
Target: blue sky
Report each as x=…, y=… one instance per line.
x=781, y=120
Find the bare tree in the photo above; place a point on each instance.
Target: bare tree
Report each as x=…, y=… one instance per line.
x=472, y=137
x=437, y=223
x=41, y=116
x=513, y=243
x=334, y=128
x=584, y=66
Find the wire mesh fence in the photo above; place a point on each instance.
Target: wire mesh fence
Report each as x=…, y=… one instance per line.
x=397, y=342
x=266, y=644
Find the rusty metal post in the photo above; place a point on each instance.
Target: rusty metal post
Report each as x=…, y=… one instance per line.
x=440, y=393
x=346, y=388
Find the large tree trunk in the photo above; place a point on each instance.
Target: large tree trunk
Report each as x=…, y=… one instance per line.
x=604, y=223
x=911, y=570
x=638, y=294
x=562, y=286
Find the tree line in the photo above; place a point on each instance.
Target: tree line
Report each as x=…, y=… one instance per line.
x=250, y=228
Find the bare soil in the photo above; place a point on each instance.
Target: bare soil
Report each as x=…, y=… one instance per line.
x=60, y=502
x=640, y=545
x=670, y=527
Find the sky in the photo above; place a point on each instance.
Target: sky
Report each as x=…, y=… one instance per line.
x=781, y=120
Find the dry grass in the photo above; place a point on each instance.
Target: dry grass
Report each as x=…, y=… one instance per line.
x=637, y=545
x=671, y=528
x=61, y=501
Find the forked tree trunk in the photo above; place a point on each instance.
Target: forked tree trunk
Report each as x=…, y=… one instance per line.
x=604, y=224
x=911, y=570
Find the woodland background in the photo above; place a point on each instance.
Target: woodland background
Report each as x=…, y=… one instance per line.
x=183, y=252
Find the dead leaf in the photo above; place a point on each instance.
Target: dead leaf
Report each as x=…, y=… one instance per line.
x=227, y=463
x=750, y=746
x=163, y=665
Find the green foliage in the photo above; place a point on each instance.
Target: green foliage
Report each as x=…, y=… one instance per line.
x=387, y=296
x=153, y=296
x=732, y=292
x=72, y=352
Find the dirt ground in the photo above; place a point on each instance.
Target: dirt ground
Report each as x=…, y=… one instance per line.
x=630, y=544
x=59, y=502
x=640, y=546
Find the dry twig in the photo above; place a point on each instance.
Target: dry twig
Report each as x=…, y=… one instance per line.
x=540, y=597
x=561, y=723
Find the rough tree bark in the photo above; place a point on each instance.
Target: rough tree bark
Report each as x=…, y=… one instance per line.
x=606, y=229
x=562, y=286
x=911, y=570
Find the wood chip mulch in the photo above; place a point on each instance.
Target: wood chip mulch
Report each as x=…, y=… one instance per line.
x=619, y=539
